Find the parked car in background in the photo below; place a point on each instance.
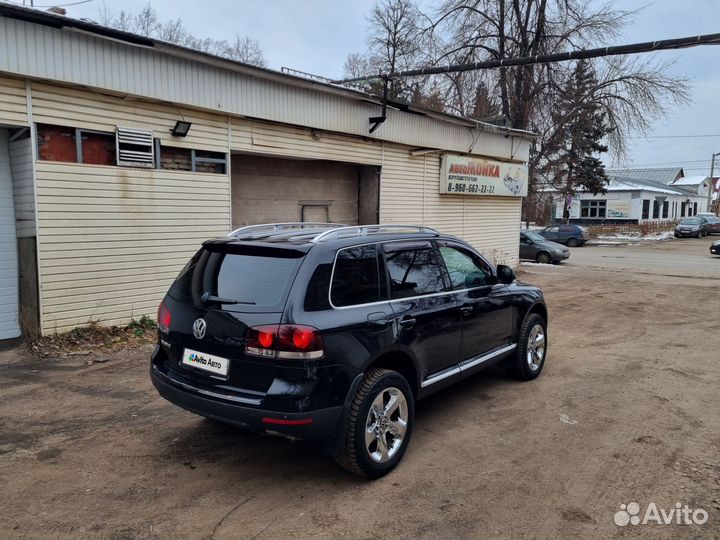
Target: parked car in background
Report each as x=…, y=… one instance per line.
x=693, y=226
x=570, y=235
x=539, y=249
x=331, y=333
x=715, y=248
x=705, y=215
x=712, y=224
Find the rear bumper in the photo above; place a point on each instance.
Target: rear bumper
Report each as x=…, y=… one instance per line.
x=320, y=424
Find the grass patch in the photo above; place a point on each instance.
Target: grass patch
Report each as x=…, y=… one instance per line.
x=95, y=337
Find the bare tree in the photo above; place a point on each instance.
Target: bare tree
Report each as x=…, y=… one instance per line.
x=396, y=41
x=246, y=50
x=147, y=23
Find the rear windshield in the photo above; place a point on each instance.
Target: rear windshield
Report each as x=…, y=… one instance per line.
x=253, y=278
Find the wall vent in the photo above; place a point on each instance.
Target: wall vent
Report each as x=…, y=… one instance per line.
x=135, y=147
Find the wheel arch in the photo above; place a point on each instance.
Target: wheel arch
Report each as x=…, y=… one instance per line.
x=538, y=307
x=400, y=361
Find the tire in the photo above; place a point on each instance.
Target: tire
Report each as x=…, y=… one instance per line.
x=362, y=454
x=525, y=365
x=573, y=242
x=543, y=258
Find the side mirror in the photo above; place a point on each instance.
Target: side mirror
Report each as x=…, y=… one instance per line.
x=505, y=274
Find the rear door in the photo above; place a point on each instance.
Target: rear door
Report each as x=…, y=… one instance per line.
x=427, y=318
x=569, y=231
x=486, y=306
x=229, y=288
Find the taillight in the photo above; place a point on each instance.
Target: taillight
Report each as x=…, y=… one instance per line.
x=163, y=318
x=291, y=341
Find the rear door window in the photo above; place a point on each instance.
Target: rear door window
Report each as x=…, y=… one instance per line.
x=253, y=278
x=413, y=269
x=356, y=278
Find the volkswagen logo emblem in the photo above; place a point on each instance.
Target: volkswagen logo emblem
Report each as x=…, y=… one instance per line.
x=199, y=327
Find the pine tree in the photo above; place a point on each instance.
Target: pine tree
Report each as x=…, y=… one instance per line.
x=575, y=165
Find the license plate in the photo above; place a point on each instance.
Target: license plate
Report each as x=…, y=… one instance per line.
x=207, y=362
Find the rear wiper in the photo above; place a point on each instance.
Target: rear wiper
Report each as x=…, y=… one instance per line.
x=207, y=298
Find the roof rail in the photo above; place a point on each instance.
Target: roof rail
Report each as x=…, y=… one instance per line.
x=365, y=230
x=269, y=227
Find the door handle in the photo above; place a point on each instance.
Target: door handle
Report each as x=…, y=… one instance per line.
x=378, y=321
x=407, y=322
x=466, y=310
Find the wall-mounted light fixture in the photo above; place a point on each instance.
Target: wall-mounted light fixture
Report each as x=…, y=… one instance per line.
x=181, y=128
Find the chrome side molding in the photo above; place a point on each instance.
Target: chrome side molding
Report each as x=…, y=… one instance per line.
x=467, y=364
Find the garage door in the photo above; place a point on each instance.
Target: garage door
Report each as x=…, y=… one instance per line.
x=9, y=324
x=272, y=190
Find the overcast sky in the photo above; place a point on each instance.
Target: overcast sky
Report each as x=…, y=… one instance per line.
x=317, y=35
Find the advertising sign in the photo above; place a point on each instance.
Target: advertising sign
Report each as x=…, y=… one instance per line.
x=618, y=209
x=477, y=176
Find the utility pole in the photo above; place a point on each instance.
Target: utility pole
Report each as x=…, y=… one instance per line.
x=712, y=187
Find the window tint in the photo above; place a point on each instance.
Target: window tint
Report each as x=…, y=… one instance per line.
x=552, y=229
x=465, y=269
x=251, y=279
x=414, y=272
x=357, y=277
x=567, y=228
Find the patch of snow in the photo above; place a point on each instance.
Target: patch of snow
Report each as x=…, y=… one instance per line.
x=636, y=235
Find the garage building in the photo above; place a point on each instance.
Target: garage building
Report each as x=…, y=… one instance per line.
x=111, y=196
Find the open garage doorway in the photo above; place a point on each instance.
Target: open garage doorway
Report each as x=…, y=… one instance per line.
x=275, y=190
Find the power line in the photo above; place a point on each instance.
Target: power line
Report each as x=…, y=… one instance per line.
x=634, y=48
x=671, y=136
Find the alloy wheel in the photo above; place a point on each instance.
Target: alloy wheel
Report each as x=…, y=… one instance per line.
x=386, y=425
x=536, y=347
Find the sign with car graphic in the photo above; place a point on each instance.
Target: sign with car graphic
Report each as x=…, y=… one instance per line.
x=618, y=209
x=476, y=176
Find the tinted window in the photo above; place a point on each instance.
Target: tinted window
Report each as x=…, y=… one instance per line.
x=414, y=272
x=552, y=229
x=567, y=228
x=254, y=278
x=357, y=277
x=465, y=269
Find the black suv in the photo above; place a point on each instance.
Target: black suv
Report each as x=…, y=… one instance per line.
x=331, y=333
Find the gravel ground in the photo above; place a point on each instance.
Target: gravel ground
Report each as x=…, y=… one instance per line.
x=625, y=411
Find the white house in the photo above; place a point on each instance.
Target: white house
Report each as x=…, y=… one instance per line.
x=632, y=200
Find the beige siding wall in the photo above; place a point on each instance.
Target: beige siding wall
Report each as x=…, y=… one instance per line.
x=409, y=193
x=13, y=102
x=21, y=164
x=274, y=139
x=112, y=240
x=83, y=109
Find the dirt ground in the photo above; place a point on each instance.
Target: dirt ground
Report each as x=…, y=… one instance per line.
x=627, y=410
